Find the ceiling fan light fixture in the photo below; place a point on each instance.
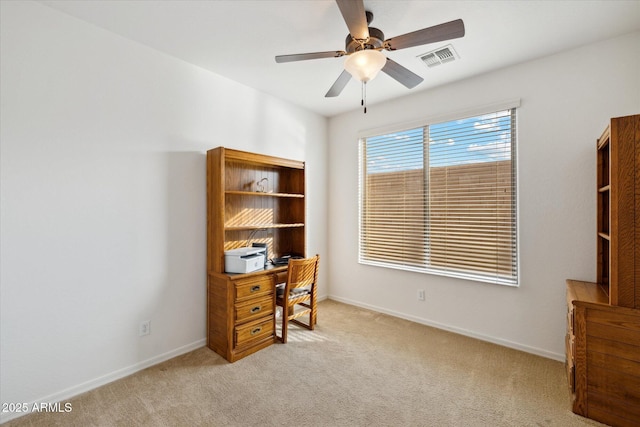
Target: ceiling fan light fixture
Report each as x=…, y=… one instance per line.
x=365, y=65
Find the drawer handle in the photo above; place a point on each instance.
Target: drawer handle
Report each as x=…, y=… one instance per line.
x=256, y=309
x=255, y=288
x=256, y=330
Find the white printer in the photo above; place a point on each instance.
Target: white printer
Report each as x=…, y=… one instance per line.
x=244, y=260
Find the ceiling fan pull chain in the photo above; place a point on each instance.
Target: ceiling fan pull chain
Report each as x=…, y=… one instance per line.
x=364, y=96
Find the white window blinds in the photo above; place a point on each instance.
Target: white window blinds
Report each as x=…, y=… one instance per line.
x=442, y=199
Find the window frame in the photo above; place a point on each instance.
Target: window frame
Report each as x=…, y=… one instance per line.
x=513, y=104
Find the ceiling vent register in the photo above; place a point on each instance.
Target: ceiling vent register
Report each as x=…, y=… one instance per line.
x=439, y=56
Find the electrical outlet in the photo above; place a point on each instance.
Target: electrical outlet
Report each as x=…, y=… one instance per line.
x=421, y=294
x=145, y=328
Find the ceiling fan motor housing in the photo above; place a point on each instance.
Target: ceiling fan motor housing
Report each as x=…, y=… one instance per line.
x=375, y=41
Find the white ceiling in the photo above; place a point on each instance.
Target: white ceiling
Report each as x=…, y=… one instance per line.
x=239, y=39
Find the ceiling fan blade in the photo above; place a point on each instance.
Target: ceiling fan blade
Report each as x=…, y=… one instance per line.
x=355, y=17
x=339, y=84
x=437, y=33
x=401, y=74
x=313, y=55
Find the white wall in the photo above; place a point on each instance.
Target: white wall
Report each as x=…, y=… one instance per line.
x=103, y=210
x=566, y=101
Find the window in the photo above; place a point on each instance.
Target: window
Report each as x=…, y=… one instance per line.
x=441, y=198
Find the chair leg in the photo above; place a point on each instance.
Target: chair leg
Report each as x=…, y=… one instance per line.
x=285, y=323
x=278, y=337
x=311, y=319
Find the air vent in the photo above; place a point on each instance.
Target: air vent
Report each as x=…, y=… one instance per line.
x=439, y=56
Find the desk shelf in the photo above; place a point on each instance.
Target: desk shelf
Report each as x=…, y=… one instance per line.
x=262, y=226
x=618, y=211
x=259, y=194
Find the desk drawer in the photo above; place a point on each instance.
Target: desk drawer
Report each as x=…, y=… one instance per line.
x=253, y=288
x=570, y=320
x=253, y=309
x=281, y=277
x=254, y=331
x=570, y=361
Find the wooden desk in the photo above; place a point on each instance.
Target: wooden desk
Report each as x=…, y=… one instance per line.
x=241, y=314
x=247, y=193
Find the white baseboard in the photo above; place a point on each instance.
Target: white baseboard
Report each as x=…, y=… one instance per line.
x=71, y=392
x=499, y=341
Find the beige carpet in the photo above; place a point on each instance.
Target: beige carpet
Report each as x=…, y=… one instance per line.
x=358, y=368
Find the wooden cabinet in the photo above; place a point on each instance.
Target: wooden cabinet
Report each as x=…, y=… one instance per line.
x=240, y=313
x=618, y=211
x=251, y=198
x=603, y=318
x=603, y=356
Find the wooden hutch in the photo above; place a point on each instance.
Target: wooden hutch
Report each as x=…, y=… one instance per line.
x=251, y=198
x=603, y=323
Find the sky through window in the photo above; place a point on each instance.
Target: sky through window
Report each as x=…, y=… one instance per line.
x=478, y=139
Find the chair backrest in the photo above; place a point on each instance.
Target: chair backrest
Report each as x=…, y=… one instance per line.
x=302, y=272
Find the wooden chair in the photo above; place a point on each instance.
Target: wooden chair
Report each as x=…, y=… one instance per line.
x=300, y=289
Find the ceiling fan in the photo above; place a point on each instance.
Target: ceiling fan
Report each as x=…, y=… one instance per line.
x=364, y=44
